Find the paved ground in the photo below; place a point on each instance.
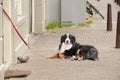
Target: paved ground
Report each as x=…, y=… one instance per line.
x=107, y=68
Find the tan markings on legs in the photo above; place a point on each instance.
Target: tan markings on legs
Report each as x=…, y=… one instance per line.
x=52, y=56
x=60, y=55
x=78, y=52
x=80, y=58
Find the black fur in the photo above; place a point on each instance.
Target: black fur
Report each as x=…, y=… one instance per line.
x=71, y=51
x=88, y=52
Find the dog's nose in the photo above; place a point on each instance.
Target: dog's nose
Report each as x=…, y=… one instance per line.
x=67, y=41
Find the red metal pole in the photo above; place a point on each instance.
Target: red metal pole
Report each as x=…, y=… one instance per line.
x=118, y=31
x=109, y=18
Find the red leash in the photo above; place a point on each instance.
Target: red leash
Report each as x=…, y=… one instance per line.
x=15, y=28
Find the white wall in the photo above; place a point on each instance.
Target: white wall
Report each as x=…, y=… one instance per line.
x=39, y=16
x=13, y=45
x=7, y=35
x=22, y=24
x=1, y=47
x=2, y=72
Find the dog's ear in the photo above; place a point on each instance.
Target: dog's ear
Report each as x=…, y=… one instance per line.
x=73, y=39
x=62, y=39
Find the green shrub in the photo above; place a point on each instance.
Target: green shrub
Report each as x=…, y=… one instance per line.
x=84, y=24
x=90, y=21
x=53, y=25
x=87, y=23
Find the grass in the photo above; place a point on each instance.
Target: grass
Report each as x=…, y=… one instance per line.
x=53, y=25
x=87, y=23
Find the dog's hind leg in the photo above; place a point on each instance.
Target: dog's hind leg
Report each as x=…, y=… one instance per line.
x=52, y=56
x=58, y=55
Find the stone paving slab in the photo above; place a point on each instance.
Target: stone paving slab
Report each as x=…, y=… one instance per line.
x=107, y=68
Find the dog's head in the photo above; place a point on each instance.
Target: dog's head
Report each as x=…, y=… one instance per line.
x=68, y=39
x=66, y=43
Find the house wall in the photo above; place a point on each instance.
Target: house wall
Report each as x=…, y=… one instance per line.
x=1, y=47
x=54, y=10
x=73, y=11
x=7, y=32
x=1, y=38
x=2, y=72
x=22, y=24
x=67, y=11
x=39, y=17
x=13, y=45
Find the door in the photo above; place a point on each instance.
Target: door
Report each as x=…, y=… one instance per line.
x=1, y=44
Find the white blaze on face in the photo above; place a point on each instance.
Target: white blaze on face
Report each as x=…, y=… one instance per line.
x=67, y=40
x=66, y=45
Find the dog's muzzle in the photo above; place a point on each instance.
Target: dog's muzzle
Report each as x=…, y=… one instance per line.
x=67, y=41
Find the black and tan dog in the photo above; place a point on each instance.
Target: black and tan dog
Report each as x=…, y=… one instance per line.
x=69, y=48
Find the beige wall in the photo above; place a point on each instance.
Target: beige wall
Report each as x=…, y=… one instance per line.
x=2, y=72
x=7, y=34
x=13, y=45
x=39, y=17
x=1, y=47
x=23, y=27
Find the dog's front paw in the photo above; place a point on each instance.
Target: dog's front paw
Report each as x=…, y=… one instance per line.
x=80, y=59
x=74, y=58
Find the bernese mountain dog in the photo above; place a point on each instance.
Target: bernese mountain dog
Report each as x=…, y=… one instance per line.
x=69, y=48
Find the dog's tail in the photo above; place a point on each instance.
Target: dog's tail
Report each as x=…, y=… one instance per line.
x=58, y=55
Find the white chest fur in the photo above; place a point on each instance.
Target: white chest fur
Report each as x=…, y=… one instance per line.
x=65, y=47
